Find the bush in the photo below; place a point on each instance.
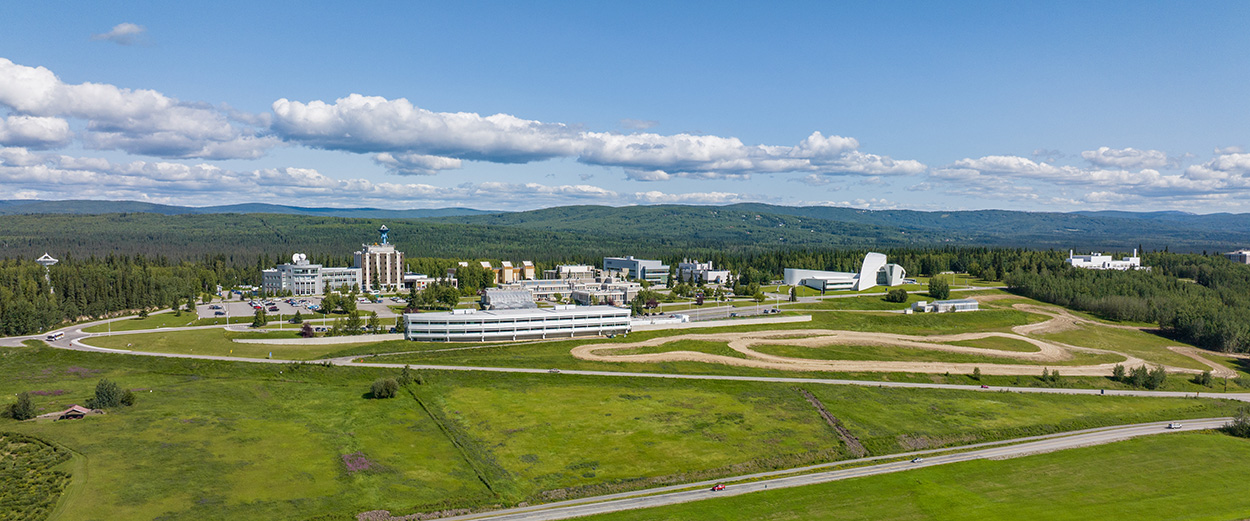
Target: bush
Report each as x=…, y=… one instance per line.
x=1118, y=373
x=896, y=295
x=976, y=373
x=23, y=409
x=939, y=289
x=107, y=394
x=384, y=388
x=128, y=398
x=1240, y=425
x=1204, y=379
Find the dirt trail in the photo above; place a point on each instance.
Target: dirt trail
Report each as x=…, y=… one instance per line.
x=1047, y=351
x=848, y=438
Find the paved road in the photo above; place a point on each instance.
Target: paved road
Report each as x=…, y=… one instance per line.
x=74, y=335
x=785, y=479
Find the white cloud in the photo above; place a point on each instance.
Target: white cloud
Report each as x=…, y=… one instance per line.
x=1126, y=158
x=22, y=171
x=137, y=121
x=34, y=132
x=415, y=164
x=122, y=34
x=1228, y=150
x=370, y=124
x=638, y=124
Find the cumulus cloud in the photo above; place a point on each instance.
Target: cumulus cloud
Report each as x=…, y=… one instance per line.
x=23, y=171
x=34, y=132
x=1228, y=150
x=136, y=121
x=371, y=124
x=638, y=124
x=122, y=34
x=1126, y=158
x=415, y=164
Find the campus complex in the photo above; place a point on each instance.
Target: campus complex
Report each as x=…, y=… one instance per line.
x=601, y=296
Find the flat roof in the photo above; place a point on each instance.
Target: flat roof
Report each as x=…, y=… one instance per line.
x=521, y=313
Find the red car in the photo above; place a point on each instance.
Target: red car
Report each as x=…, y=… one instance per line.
x=718, y=488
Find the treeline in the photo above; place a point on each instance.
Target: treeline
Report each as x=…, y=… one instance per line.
x=1197, y=299
x=92, y=287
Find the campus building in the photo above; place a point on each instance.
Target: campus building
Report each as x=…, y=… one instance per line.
x=469, y=325
x=381, y=265
x=495, y=298
x=570, y=271
x=946, y=306
x=1239, y=256
x=301, y=277
x=652, y=271
x=610, y=292
x=1098, y=261
x=872, y=272
x=695, y=271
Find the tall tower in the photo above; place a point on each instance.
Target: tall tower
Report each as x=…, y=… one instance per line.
x=383, y=230
x=47, y=261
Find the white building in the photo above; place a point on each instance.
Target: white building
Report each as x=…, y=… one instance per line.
x=1239, y=256
x=616, y=293
x=1098, y=261
x=695, y=271
x=496, y=299
x=946, y=306
x=381, y=265
x=652, y=271
x=872, y=272
x=468, y=325
x=301, y=277
x=570, y=271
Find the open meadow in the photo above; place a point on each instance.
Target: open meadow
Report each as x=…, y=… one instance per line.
x=223, y=440
x=1177, y=476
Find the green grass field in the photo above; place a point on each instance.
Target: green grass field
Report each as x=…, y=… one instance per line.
x=1147, y=346
x=1176, y=476
x=153, y=321
x=999, y=343
x=876, y=352
x=221, y=440
x=698, y=346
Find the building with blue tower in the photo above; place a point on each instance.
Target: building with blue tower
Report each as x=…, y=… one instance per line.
x=381, y=265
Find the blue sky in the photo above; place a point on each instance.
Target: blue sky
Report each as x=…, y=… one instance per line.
x=1030, y=106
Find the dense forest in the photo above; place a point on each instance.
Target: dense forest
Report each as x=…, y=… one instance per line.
x=1198, y=299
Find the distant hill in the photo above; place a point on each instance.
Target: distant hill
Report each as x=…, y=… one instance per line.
x=99, y=227
x=1081, y=231
x=24, y=207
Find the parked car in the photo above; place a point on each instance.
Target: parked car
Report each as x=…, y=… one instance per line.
x=273, y=308
x=214, y=306
x=219, y=313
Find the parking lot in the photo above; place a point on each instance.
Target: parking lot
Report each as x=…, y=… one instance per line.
x=245, y=310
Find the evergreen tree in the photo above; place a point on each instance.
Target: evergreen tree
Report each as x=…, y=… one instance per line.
x=23, y=409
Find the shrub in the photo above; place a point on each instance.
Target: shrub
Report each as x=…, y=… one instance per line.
x=896, y=295
x=23, y=409
x=384, y=388
x=128, y=398
x=1204, y=379
x=1240, y=425
x=307, y=330
x=1156, y=378
x=976, y=373
x=1118, y=373
x=107, y=394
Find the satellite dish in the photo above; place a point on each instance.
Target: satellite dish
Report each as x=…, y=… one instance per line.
x=298, y=258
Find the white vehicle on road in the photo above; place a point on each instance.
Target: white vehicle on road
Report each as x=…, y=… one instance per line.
x=1175, y=425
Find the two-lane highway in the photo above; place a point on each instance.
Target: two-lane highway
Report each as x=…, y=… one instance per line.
x=760, y=482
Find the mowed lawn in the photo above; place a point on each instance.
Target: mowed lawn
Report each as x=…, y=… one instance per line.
x=1192, y=476
x=153, y=321
x=915, y=354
